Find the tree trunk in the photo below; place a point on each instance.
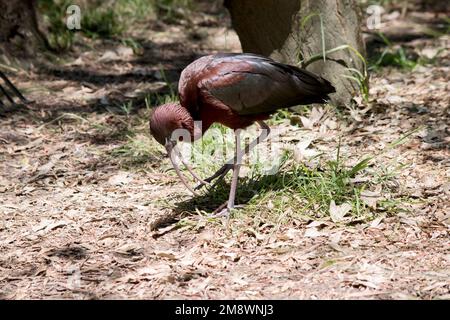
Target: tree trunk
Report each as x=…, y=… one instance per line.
x=19, y=19
x=290, y=31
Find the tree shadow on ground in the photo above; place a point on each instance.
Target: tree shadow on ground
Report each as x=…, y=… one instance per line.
x=84, y=76
x=48, y=112
x=157, y=64
x=69, y=252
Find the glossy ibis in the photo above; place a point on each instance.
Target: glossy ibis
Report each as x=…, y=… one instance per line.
x=235, y=90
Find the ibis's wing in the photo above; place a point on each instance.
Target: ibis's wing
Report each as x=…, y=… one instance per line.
x=251, y=84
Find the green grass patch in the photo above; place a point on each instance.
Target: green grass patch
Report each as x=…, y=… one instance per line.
x=106, y=20
x=394, y=57
x=303, y=193
x=54, y=16
x=141, y=10
x=137, y=151
x=308, y=192
x=97, y=21
x=101, y=23
x=397, y=56
x=135, y=10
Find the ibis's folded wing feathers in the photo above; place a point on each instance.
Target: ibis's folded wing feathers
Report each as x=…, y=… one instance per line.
x=250, y=84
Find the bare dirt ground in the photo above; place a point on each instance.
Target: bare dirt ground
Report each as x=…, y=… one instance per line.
x=78, y=220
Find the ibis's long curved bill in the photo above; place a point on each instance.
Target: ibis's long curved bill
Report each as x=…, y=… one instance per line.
x=189, y=168
x=171, y=150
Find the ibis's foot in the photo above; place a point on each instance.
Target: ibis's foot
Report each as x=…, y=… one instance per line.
x=218, y=175
x=224, y=211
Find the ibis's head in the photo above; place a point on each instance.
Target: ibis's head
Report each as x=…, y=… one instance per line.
x=170, y=123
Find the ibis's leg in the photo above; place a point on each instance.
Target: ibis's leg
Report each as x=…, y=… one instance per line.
x=220, y=174
x=236, y=168
x=13, y=88
x=234, y=181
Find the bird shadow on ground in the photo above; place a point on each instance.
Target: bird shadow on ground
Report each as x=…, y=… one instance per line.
x=248, y=188
x=213, y=198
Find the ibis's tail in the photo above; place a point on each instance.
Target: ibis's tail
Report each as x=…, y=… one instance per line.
x=317, y=87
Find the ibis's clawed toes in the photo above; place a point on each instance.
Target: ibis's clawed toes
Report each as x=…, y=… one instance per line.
x=219, y=212
x=224, y=210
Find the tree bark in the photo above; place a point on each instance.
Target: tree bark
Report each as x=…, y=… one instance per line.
x=290, y=31
x=19, y=18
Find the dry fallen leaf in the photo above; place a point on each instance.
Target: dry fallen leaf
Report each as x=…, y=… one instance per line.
x=301, y=151
x=308, y=124
x=44, y=223
x=376, y=222
x=124, y=52
x=338, y=212
x=155, y=271
x=120, y=178
x=129, y=249
x=313, y=233
x=371, y=198
x=109, y=56
x=169, y=254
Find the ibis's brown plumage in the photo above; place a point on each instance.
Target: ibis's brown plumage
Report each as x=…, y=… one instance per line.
x=235, y=90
